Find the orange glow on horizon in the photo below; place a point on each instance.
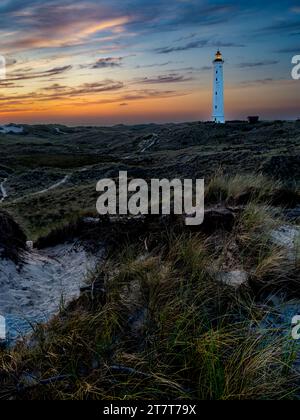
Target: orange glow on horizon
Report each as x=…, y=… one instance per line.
x=194, y=104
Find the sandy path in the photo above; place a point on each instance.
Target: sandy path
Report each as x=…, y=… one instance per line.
x=4, y=194
x=54, y=186
x=34, y=292
x=3, y=191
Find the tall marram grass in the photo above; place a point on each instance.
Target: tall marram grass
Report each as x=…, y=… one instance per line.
x=223, y=187
x=168, y=327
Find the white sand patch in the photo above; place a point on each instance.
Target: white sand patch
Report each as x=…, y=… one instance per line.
x=11, y=129
x=149, y=143
x=235, y=278
x=2, y=328
x=279, y=321
x=35, y=291
x=3, y=191
x=288, y=236
x=54, y=186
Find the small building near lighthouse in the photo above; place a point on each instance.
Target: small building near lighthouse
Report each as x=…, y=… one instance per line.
x=218, y=115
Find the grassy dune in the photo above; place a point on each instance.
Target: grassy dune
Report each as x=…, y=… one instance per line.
x=158, y=320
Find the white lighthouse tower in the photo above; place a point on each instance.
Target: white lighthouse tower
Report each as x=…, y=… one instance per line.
x=218, y=93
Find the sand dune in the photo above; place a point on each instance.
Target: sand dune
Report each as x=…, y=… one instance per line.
x=34, y=291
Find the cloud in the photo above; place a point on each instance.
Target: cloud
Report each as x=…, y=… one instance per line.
x=98, y=87
x=36, y=24
x=257, y=64
x=196, y=13
x=295, y=9
x=108, y=62
x=200, y=43
x=289, y=50
x=186, y=37
x=189, y=46
x=149, y=66
x=284, y=83
x=10, y=62
x=57, y=92
x=28, y=74
x=83, y=93
x=144, y=94
x=9, y=85
x=265, y=81
x=170, y=78
x=285, y=26
x=56, y=24
x=135, y=95
x=56, y=87
x=206, y=68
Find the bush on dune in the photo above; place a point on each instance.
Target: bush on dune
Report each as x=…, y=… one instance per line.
x=12, y=237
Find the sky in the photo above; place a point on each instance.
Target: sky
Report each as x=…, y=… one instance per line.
x=105, y=62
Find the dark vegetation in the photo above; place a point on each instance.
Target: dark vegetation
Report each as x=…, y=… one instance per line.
x=42, y=156
x=157, y=321
x=12, y=238
x=160, y=318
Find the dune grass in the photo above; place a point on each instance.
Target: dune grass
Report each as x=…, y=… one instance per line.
x=40, y=215
x=168, y=329
x=165, y=325
x=222, y=187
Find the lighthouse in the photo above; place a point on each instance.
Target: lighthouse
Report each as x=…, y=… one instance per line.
x=218, y=93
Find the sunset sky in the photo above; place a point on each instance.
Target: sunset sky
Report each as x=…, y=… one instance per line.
x=132, y=61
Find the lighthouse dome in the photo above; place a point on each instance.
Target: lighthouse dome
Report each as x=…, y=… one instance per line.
x=218, y=56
